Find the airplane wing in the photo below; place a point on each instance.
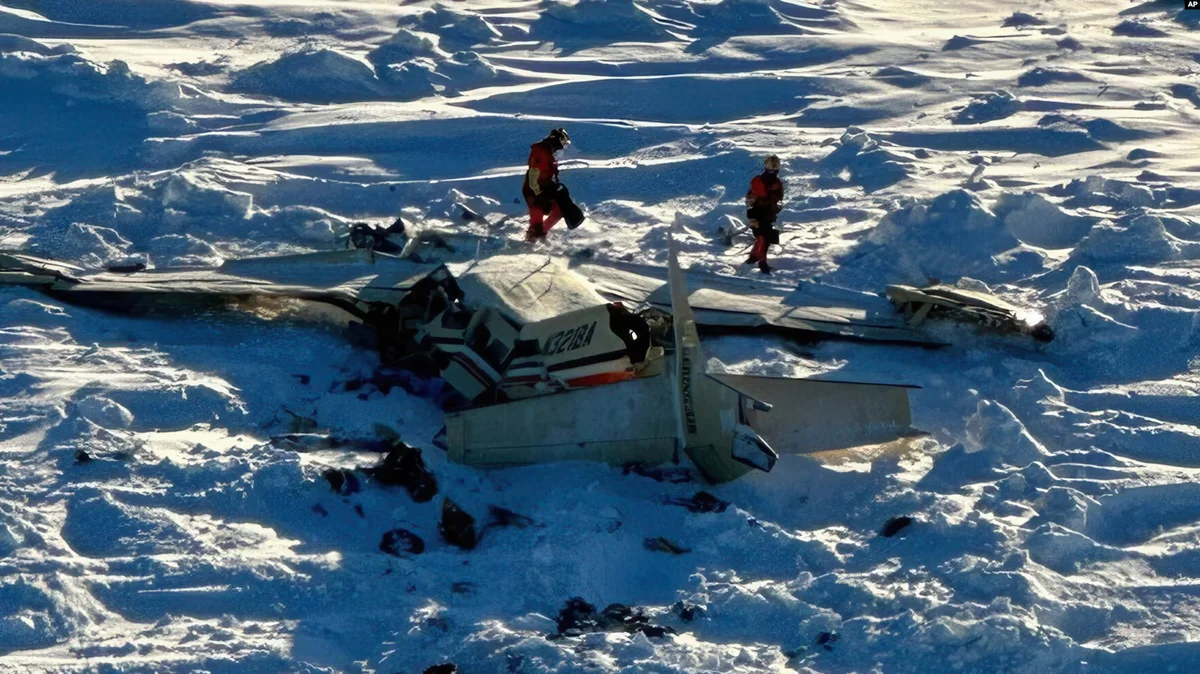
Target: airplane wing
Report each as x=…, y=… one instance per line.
x=722, y=304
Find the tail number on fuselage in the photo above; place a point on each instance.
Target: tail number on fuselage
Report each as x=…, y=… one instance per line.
x=569, y=340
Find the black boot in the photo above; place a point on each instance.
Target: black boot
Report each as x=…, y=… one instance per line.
x=764, y=267
x=752, y=259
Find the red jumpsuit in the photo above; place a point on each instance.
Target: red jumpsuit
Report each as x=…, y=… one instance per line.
x=543, y=171
x=763, y=203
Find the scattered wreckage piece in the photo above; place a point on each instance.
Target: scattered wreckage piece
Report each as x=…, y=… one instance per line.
x=701, y=502
x=579, y=617
x=730, y=228
x=398, y=542
x=419, y=244
x=974, y=306
x=457, y=527
x=403, y=466
x=366, y=236
x=343, y=482
x=663, y=544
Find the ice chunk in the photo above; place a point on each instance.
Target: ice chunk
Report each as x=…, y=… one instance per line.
x=995, y=429
x=1036, y=220
x=104, y=412
x=317, y=76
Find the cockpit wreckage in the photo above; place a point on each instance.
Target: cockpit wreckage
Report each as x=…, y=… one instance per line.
x=562, y=360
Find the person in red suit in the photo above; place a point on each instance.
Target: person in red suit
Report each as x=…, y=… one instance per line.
x=541, y=184
x=764, y=200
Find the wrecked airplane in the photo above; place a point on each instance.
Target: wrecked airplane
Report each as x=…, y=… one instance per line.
x=558, y=361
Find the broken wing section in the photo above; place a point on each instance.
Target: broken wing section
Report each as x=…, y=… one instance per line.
x=983, y=308
x=713, y=425
x=17, y=269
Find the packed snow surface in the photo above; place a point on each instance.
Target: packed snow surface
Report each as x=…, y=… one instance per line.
x=1046, y=151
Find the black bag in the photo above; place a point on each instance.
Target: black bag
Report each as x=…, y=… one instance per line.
x=544, y=200
x=572, y=214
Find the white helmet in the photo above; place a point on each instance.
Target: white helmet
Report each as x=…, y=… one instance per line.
x=771, y=163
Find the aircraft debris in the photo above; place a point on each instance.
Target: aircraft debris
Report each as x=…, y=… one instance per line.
x=674, y=475
x=503, y=517
x=827, y=639
x=457, y=527
x=687, y=611
x=579, y=617
x=701, y=502
x=403, y=466
x=661, y=544
x=401, y=541
x=975, y=306
x=341, y=481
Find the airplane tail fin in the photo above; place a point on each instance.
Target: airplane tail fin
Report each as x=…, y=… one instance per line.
x=712, y=420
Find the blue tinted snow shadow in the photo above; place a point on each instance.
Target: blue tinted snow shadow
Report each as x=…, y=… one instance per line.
x=433, y=149
x=590, y=186
x=1045, y=142
x=72, y=139
x=137, y=14
x=677, y=100
x=779, y=54
x=1182, y=657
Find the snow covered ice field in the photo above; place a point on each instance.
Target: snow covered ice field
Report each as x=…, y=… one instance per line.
x=1050, y=150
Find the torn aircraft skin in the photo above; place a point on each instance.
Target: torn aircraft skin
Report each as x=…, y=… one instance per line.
x=553, y=363
x=975, y=306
